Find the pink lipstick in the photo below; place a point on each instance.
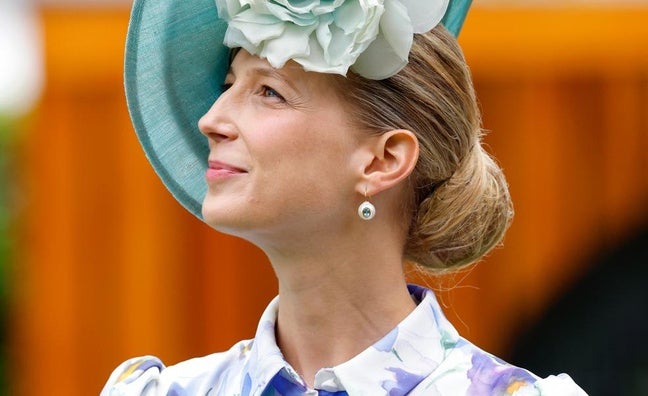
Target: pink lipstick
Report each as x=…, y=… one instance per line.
x=219, y=170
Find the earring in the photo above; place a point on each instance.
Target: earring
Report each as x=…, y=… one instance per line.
x=366, y=210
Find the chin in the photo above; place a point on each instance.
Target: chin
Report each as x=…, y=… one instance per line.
x=225, y=219
x=214, y=212
x=219, y=218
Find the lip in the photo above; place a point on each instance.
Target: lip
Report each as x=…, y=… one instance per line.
x=219, y=170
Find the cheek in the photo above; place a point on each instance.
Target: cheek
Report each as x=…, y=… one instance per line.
x=318, y=137
x=306, y=164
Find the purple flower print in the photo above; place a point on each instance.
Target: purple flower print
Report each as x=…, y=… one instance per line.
x=282, y=384
x=386, y=344
x=403, y=383
x=490, y=376
x=141, y=365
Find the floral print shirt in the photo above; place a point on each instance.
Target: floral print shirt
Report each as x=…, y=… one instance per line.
x=423, y=355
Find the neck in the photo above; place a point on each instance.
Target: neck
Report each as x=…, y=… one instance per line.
x=337, y=300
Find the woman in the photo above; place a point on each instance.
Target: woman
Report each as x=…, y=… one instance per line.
x=343, y=145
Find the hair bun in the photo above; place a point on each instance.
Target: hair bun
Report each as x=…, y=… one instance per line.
x=464, y=217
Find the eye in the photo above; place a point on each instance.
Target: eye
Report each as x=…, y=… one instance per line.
x=270, y=92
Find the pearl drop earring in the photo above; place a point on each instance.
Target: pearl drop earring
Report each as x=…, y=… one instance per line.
x=366, y=210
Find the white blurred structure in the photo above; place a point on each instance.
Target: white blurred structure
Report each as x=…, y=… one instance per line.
x=21, y=60
x=85, y=3
x=560, y=3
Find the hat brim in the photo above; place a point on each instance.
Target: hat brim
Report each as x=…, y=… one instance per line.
x=175, y=65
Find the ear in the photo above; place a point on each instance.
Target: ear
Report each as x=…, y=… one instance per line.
x=394, y=156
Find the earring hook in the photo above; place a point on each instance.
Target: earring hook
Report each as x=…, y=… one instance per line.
x=366, y=210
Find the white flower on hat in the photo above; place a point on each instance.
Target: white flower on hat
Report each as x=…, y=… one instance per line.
x=372, y=37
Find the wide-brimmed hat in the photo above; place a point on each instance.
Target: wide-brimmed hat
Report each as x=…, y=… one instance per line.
x=175, y=66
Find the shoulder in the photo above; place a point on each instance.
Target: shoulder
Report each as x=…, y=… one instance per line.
x=148, y=376
x=469, y=370
x=558, y=385
x=135, y=376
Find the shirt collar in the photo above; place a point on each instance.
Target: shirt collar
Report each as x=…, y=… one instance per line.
x=393, y=365
x=406, y=355
x=266, y=360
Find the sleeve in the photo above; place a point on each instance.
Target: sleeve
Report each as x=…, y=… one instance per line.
x=135, y=377
x=554, y=385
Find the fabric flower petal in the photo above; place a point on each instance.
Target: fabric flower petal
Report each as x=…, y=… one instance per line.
x=294, y=43
x=234, y=38
x=425, y=14
x=257, y=28
x=279, y=12
x=341, y=48
x=388, y=54
x=396, y=28
x=316, y=61
x=378, y=61
x=228, y=8
x=361, y=21
x=298, y=6
x=323, y=34
x=327, y=6
x=349, y=16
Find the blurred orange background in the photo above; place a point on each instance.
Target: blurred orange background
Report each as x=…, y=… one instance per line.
x=108, y=266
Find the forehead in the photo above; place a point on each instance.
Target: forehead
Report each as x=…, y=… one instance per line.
x=245, y=64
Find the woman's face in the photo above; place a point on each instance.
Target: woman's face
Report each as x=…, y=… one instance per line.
x=284, y=158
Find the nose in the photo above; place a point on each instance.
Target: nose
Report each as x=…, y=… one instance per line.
x=217, y=124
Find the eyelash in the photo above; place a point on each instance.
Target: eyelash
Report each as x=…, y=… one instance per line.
x=265, y=90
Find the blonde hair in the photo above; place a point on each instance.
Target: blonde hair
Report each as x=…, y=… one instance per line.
x=459, y=206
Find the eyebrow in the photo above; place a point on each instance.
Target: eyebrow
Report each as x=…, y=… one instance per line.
x=267, y=72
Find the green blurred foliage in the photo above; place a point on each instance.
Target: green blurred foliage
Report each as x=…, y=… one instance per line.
x=6, y=133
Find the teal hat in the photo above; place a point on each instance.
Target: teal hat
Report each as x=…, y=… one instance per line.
x=174, y=70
